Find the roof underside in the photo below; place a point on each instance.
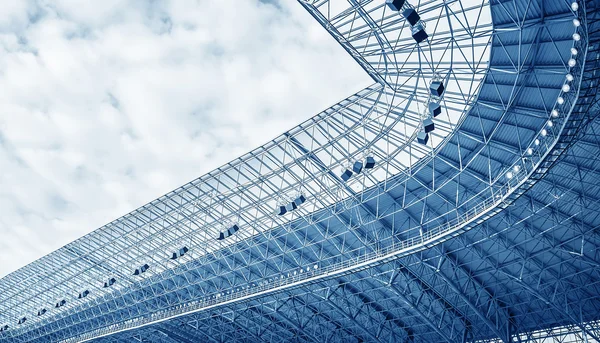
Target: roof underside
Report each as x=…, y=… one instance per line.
x=523, y=265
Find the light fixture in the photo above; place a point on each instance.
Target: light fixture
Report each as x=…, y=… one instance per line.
x=282, y=210
x=576, y=37
x=418, y=33
x=370, y=162
x=509, y=175
x=346, y=173
x=574, y=51
x=517, y=168
x=395, y=5
x=422, y=137
x=572, y=62
x=434, y=109
x=560, y=100
x=109, y=282
x=290, y=206
x=300, y=199
x=428, y=125
x=550, y=123
x=536, y=142
x=183, y=250
x=529, y=151
x=574, y=6
x=436, y=88
x=141, y=269
x=544, y=132
x=357, y=167
x=576, y=22
x=229, y=232
x=566, y=88
x=411, y=16
x=569, y=77
x=554, y=113
x=60, y=303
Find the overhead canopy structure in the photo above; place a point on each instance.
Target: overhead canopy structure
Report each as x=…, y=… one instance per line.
x=455, y=199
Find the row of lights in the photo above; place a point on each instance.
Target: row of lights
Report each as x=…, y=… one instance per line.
x=566, y=88
x=231, y=230
x=108, y=283
x=436, y=91
x=417, y=27
x=418, y=33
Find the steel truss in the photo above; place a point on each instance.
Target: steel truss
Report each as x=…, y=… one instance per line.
x=488, y=233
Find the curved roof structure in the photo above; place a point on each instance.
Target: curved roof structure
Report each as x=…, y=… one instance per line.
x=455, y=199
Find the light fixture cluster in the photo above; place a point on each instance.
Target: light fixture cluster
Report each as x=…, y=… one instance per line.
x=142, y=269
x=436, y=87
x=60, y=303
x=433, y=109
x=231, y=229
x=417, y=26
x=111, y=281
x=179, y=253
x=83, y=294
x=357, y=166
x=560, y=100
x=289, y=204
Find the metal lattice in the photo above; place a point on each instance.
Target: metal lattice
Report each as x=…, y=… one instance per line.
x=488, y=232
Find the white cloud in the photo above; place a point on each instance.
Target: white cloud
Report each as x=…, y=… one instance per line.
x=105, y=107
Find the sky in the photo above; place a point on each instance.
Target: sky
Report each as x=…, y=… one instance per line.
x=109, y=105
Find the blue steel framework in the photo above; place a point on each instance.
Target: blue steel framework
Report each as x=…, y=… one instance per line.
x=487, y=233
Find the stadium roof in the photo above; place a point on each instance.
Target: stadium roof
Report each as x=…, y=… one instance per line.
x=488, y=231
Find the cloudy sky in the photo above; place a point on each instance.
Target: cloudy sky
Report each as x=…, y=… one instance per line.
x=108, y=105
